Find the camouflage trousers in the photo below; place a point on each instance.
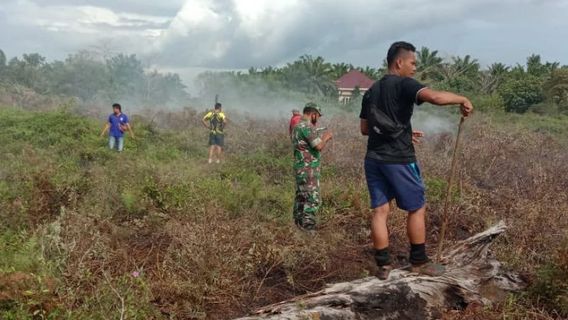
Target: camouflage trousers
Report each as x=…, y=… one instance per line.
x=308, y=199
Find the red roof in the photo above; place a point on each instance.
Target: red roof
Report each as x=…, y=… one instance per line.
x=354, y=78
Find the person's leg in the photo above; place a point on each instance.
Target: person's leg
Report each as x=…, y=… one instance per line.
x=308, y=199
x=218, y=154
x=211, y=147
x=416, y=228
x=120, y=143
x=314, y=201
x=379, y=230
x=380, y=235
x=410, y=196
x=297, y=208
x=380, y=195
x=220, y=145
x=211, y=153
x=111, y=142
x=306, y=207
x=300, y=201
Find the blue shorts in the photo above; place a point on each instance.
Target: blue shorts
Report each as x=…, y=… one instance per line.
x=395, y=181
x=217, y=140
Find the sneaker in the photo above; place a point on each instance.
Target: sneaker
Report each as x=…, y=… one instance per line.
x=429, y=268
x=209, y=161
x=218, y=161
x=384, y=272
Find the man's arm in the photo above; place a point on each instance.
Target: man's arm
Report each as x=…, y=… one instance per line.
x=324, y=139
x=105, y=129
x=205, y=119
x=444, y=98
x=363, y=115
x=129, y=127
x=364, y=127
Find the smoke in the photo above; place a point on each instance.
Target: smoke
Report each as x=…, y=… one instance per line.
x=433, y=120
x=251, y=97
x=260, y=99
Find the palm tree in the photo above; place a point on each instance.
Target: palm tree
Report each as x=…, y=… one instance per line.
x=312, y=75
x=556, y=88
x=370, y=72
x=498, y=69
x=2, y=64
x=339, y=69
x=461, y=74
x=535, y=66
x=316, y=66
x=2, y=59
x=493, y=77
x=466, y=66
x=428, y=64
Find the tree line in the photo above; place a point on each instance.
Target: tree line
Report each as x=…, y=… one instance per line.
x=92, y=79
x=535, y=86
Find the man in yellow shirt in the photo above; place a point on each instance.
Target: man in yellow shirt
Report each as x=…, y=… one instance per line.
x=215, y=121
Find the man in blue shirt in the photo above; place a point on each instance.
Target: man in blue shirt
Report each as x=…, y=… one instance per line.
x=116, y=125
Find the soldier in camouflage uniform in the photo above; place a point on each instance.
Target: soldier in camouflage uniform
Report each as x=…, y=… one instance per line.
x=308, y=143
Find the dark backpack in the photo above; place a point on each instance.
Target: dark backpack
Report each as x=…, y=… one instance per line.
x=217, y=123
x=378, y=120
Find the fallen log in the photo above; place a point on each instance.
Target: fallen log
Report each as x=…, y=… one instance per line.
x=473, y=276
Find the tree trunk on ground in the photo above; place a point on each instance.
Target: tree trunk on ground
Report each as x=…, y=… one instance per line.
x=473, y=277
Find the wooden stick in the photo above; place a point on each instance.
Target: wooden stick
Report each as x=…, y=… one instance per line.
x=449, y=192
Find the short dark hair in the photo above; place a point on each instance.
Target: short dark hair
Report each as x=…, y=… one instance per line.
x=396, y=49
x=218, y=105
x=117, y=106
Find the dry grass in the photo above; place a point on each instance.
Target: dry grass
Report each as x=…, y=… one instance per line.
x=217, y=242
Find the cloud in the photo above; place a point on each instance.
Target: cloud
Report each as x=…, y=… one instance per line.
x=241, y=33
x=78, y=19
x=244, y=33
x=58, y=29
x=147, y=7
x=236, y=34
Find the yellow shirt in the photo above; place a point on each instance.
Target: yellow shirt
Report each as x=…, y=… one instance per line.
x=216, y=121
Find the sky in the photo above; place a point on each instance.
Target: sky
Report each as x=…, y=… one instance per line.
x=189, y=36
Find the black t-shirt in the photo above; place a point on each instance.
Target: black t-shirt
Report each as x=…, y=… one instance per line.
x=395, y=96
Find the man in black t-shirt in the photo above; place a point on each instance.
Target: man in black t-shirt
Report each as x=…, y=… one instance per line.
x=391, y=169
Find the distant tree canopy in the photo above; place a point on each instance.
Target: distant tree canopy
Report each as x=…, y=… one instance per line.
x=498, y=86
x=92, y=79
x=89, y=77
x=2, y=59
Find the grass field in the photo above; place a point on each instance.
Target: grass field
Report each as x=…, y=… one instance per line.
x=154, y=232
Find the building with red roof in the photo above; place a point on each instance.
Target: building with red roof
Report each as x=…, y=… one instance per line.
x=351, y=81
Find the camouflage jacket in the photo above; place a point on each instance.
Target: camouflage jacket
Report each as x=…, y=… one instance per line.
x=304, y=139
